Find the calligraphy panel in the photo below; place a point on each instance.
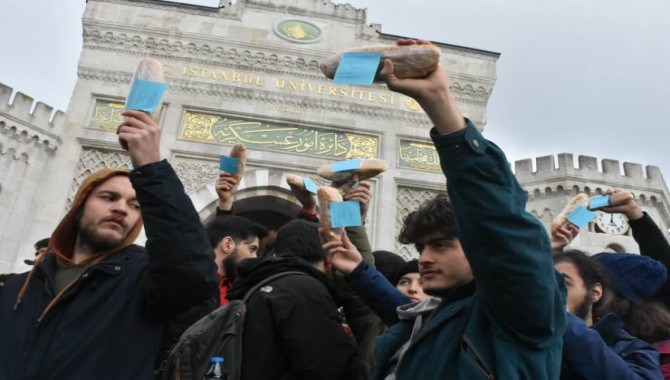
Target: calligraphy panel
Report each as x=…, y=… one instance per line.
x=279, y=137
x=107, y=115
x=418, y=155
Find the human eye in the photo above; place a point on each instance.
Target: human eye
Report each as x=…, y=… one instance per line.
x=134, y=205
x=403, y=282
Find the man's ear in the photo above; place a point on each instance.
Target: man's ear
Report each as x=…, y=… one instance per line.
x=226, y=246
x=597, y=292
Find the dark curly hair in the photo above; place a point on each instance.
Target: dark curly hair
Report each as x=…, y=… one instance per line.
x=435, y=215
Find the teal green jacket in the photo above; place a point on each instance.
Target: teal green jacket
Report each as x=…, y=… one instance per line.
x=509, y=323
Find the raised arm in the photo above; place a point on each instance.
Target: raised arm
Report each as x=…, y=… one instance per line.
x=508, y=249
x=181, y=271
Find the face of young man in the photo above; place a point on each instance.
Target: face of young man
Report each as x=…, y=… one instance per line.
x=109, y=214
x=579, y=300
x=442, y=264
x=229, y=254
x=410, y=285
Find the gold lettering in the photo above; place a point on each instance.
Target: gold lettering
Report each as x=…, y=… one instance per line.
x=392, y=99
x=382, y=98
x=280, y=83
x=194, y=72
x=248, y=79
x=343, y=92
x=183, y=69
x=292, y=85
x=360, y=96
x=371, y=97
x=322, y=89
x=302, y=86
x=309, y=86
x=202, y=73
x=213, y=75
x=259, y=82
x=224, y=75
x=236, y=77
x=332, y=91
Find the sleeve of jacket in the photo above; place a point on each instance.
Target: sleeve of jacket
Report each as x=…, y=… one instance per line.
x=508, y=248
x=587, y=354
x=359, y=238
x=653, y=244
x=314, y=341
x=180, y=272
x=377, y=292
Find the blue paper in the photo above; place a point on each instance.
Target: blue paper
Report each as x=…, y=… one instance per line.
x=228, y=164
x=145, y=95
x=343, y=166
x=309, y=185
x=581, y=216
x=357, y=68
x=599, y=202
x=345, y=214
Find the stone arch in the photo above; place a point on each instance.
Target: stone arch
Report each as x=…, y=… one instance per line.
x=263, y=195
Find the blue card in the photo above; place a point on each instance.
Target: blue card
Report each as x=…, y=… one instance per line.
x=309, y=185
x=343, y=166
x=581, y=216
x=145, y=95
x=345, y=214
x=228, y=164
x=357, y=68
x=599, y=202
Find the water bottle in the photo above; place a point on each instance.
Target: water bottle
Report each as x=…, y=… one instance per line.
x=216, y=369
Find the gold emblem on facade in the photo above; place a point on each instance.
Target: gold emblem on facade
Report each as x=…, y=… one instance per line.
x=418, y=155
x=412, y=104
x=107, y=115
x=298, y=31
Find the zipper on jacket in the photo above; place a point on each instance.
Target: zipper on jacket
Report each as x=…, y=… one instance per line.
x=476, y=358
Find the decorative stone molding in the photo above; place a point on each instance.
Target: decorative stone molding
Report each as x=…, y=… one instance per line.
x=409, y=199
x=92, y=160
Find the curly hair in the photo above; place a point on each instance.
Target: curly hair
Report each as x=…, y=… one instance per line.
x=435, y=215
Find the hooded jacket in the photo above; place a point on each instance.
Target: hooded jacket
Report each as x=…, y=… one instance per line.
x=292, y=329
x=107, y=324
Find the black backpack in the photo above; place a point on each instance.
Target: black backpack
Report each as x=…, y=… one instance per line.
x=219, y=333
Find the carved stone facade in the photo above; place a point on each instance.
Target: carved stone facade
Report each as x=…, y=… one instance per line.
x=249, y=72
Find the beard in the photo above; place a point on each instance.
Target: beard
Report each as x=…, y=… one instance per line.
x=90, y=237
x=583, y=310
x=230, y=267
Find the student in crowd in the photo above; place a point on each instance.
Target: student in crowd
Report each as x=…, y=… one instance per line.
x=233, y=238
x=94, y=304
x=292, y=328
x=500, y=311
x=408, y=282
x=598, y=346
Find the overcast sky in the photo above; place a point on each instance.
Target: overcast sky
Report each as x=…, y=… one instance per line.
x=582, y=77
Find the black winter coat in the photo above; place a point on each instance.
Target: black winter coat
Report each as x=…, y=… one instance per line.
x=108, y=325
x=292, y=329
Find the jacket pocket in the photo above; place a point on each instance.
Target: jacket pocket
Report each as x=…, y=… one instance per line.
x=475, y=367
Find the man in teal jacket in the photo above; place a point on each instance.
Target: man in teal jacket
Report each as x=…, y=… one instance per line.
x=501, y=307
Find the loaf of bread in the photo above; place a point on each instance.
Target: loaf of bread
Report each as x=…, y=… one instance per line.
x=239, y=151
x=366, y=169
x=410, y=61
x=580, y=199
x=295, y=182
x=327, y=195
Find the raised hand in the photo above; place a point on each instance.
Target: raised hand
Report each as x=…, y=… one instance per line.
x=342, y=254
x=140, y=136
x=226, y=187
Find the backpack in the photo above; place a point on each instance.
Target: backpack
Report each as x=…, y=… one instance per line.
x=219, y=333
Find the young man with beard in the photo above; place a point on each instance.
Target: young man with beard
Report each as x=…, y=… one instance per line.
x=94, y=305
x=233, y=238
x=599, y=349
x=500, y=310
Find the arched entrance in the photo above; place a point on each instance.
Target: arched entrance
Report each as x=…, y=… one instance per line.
x=263, y=196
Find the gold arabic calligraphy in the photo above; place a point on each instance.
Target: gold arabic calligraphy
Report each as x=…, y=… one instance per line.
x=278, y=137
x=416, y=155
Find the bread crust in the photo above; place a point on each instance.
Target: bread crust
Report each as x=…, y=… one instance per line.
x=327, y=195
x=580, y=199
x=295, y=182
x=409, y=61
x=367, y=169
x=239, y=151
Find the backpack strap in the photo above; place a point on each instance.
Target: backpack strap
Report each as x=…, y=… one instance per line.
x=267, y=280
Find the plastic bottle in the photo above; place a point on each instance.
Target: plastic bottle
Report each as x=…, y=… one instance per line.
x=216, y=369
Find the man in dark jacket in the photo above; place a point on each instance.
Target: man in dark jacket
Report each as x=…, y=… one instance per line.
x=94, y=304
x=292, y=328
x=500, y=312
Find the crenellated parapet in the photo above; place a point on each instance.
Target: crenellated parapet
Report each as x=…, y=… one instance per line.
x=27, y=125
x=320, y=8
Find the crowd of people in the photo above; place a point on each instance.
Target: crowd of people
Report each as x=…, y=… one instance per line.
x=492, y=295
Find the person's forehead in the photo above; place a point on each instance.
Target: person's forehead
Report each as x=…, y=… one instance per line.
x=567, y=269
x=118, y=184
x=411, y=275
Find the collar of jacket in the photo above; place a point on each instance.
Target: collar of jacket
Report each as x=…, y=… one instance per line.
x=610, y=328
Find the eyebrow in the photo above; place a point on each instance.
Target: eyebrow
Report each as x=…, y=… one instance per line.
x=436, y=240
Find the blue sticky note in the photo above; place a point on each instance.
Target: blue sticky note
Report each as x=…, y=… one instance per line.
x=228, y=164
x=145, y=95
x=599, y=202
x=343, y=166
x=309, y=185
x=345, y=214
x=357, y=68
x=581, y=216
